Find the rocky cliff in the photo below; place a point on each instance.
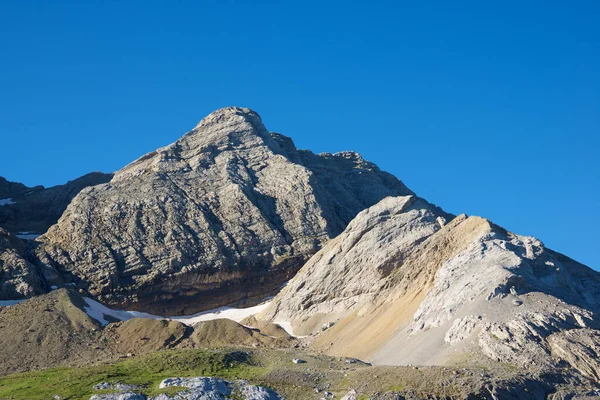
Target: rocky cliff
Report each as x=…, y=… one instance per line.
x=402, y=285
x=227, y=212
x=18, y=277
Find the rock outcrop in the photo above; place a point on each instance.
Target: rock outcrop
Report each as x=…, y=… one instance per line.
x=580, y=348
x=18, y=277
x=213, y=388
x=30, y=211
x=352, y=269
x=402, y=285
x=226, y=213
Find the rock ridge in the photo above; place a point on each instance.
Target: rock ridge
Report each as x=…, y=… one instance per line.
x=227, y=213
x=404, y=285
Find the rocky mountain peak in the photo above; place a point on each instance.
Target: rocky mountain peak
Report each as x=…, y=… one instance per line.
x=223, y=115
x=233, y=126
x=231, y=130
x=227, y=212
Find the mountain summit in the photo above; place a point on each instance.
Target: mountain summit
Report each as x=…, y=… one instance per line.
x=226, y=213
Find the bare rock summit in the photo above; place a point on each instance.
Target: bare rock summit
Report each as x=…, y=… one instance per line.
x=226, y=213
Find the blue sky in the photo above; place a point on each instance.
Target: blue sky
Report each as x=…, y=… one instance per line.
x=481, y=108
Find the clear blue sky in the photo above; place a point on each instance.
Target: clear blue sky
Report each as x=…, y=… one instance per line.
x=487, y=109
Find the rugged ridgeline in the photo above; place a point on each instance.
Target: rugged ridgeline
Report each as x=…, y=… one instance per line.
x=402, y=285
x=30, y=211
x=227, y=212
x=25, y=213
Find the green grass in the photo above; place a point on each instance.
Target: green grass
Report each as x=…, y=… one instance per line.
x=146, y=372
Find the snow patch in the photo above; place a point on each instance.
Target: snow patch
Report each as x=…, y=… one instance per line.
x=4, y=202
x=234, y=314
x=100, y=313
x=286, y=326
x=105, y=315
x=27, y=235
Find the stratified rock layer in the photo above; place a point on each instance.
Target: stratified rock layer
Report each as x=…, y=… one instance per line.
x=18, y=277
x=228, y=212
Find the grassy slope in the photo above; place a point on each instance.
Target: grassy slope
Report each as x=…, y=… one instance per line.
x=147, y=372
x=271, y=368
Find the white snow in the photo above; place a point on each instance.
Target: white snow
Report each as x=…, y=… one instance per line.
x=287, y=326
x=234, y=314
x=27, y=235
x=100, y=312
x=8, y=303
x=105, y=315
x=4, y=202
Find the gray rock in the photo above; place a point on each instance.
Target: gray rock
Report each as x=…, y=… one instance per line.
x=201, y=384
x=202, y=388
x=580, y=348
x=26, y=213
x=251, y=392
x=227, y=212
x=118, y=396
x=410, y=290
x=352, y=269
x=461, y=329
x=192, y=394
x=33, y=210
x=18, y=277
x=115, y=386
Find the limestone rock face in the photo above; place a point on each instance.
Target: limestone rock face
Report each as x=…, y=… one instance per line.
x=18, y=277
x=29, y=212
x=26, y=213
x=352, y=269
x=228, y=212
x=403, y=285
x=580, y=348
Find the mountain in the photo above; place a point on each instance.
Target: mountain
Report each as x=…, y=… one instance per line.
x=402, y=285
x=387, y=296
x=227, y=213
x=30, y=211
